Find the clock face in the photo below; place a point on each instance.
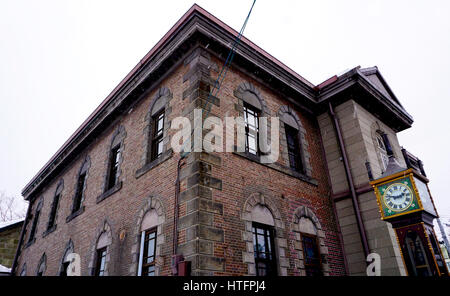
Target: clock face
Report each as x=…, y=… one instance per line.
x=398, y=197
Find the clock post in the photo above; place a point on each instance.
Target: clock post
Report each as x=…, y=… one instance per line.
x=405, y=202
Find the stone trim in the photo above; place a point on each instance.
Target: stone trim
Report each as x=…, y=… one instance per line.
x=42, y=265
x=75, y=214
x=110, y=192
x=299, y=266
x=165, y=156
x=165, y=94
x=104, y=229
x=278, y=167
x=241, y=93
x=303, y=142
x=280, y=240
x=152, y=203
x=68, y=249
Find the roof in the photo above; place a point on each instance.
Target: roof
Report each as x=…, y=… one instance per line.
x=4, y=269
x=196, y=19
x=11, y=224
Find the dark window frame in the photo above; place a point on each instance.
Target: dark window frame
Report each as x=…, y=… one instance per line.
x=269, y=241
x=294, y=148
x=100, y=261
x=114, y=166
x=64, y=267
x=157, y=135
x=34, y=225
x=79, y=194
x=312, y=269
x=53, y=211
x=256, y=113
x=147, y=239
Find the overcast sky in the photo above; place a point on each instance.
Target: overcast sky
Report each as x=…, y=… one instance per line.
x=60, y=59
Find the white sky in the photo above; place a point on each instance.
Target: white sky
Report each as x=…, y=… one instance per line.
x=60, y=59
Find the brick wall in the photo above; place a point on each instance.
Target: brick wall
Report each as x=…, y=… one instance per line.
x=9, y=239
x=215, y=188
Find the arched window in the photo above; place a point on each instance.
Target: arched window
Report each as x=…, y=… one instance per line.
x=292, y=132
x=148, y=239
x=147, y=250
x=99, y=264
x=158, y=124
x=382, y=151
x=80, y=188
x=102, y=250
x=42, y=266
x=252, y=107
x=310, y=244
x=54, y=208
x=263, y=241
x=114, y=160
x=293, y=141
x=65, y=260
x=266, y=246
x=34, y=225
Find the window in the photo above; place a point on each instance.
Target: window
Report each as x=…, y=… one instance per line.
x=113, y=167
x=382, y=152
x=311, y=255
x=23, y=272
x=148, y=252
x=101, y=260
x=293, y=148
x=42, y=266
x=34, y=225
x=251, y=118
x=264, y=250
x=157, y=138
x=78, y=200
x=64, y=268
x=51, y=219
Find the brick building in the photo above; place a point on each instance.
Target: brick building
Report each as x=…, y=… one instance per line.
x=118, y=195
x=9, y=239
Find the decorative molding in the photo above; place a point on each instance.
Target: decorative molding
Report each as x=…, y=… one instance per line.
x=151, y=203
x=280, y=240
x=104, y=229
x=296, y=231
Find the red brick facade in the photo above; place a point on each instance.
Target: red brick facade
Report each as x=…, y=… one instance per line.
x=217, y=190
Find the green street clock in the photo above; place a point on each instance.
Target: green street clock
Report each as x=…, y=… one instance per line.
x=405, y=202
x=401, y=194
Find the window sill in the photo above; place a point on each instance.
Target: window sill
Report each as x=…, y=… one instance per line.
x=110, y=192
x=48, y=231
x=165, y=156
x=75, y=214
x=278, y=167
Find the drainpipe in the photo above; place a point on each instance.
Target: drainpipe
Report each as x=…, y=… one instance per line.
x=341, y=239
x=176, y=258
x=362, y=231
x=22, y=234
